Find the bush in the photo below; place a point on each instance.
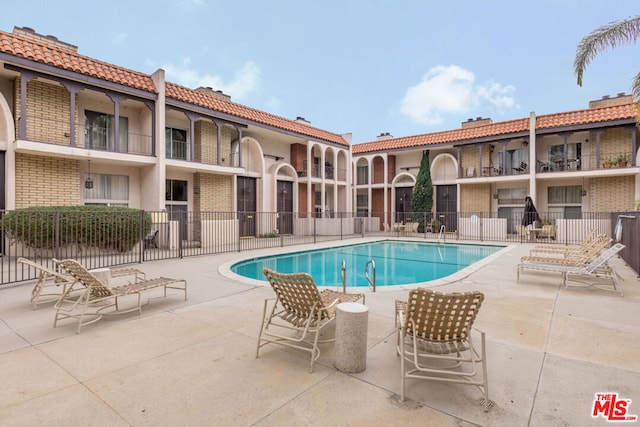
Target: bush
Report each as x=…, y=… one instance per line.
x=103, y=227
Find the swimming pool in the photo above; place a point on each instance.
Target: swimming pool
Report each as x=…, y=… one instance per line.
x=397, y=262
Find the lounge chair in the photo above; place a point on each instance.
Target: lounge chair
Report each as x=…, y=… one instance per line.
x=598, y=268
x=299, y=312
x=434, y=339
x=573, y=258
x=90, y=297
x=51, y=284
x=565, y=249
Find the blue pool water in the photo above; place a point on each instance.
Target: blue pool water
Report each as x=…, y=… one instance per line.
x=397, y=262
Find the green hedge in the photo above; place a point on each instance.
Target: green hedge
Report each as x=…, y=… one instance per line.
x=103, y=227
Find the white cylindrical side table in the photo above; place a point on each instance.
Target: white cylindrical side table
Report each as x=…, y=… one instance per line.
x=350, y=353
x=103, y=274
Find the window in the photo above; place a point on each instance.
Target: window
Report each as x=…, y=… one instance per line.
x=565, y=195
x=511, y=196
x=176, y=143
x=99, y=131
x=362, y=175
x=362, y=205
x=564, y=202
x=109, y=190
x=556, y=156
x=511, y=159
x=176, y=191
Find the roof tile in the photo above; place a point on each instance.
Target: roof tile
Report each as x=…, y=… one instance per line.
x=16, y=45
x=569, y=118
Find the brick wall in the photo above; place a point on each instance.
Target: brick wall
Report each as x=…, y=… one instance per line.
x=475, y=198
x=46, y=181
x=48, y=112
x=611, y=193
x=378, y=170
x=298, y=153
x=205, y=142
x=613, y=142
x=215, y=193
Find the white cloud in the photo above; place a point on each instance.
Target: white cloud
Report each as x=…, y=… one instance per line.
x=245, y=81
x=451, y=90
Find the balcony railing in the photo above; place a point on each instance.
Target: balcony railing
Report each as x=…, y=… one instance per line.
x=55, y=131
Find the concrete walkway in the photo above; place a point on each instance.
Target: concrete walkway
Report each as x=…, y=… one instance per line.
x=550, y=349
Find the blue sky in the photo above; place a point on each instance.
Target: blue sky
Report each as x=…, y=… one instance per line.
x=364, y=67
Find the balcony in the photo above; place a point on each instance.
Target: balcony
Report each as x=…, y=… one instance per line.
x=586, y=162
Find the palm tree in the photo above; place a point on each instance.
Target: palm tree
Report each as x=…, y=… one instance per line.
x=605, y=37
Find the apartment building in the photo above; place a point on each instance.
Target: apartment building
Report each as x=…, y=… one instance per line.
x=75, y=130
x=570, y=163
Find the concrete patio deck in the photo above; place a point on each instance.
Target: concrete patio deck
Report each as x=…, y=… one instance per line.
x=550, y=350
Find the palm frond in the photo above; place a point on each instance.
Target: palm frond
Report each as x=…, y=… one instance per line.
x=606, y=37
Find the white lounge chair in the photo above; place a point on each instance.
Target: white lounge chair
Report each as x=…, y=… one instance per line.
x=89, y=297
x=589, y=274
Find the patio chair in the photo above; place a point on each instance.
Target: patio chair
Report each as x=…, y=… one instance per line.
x=598, y=268
x=299, y=312
x=434, y=339
x=521, y=168
x=51, y=284
x=151, y=240
x=563, y=249
x=89, y=297
x=574, y=258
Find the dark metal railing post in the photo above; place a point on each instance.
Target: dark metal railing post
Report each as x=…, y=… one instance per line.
x=142, y=237
x=56, y=250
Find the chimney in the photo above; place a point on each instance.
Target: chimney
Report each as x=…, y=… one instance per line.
x=383, y=136
x=607, y=101
x=30, y=33
x=302, y=120
x=215, y=93
x=479, y=121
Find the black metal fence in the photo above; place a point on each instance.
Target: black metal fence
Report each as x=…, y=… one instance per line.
x=184, y=234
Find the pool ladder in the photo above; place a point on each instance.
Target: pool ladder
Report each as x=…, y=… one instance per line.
x=372, y=283
x=442, y=235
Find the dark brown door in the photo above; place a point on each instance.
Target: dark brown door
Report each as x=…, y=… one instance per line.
x=403, y=204
x=247, y=206
x=446, y=205
x=285, y=207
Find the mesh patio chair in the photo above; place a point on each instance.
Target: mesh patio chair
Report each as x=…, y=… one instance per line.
x=89, y=297
x=580, y=257
x=588, y=239
x=51, y=283
x=434, y=340
x=299, y=312
x=597, y=273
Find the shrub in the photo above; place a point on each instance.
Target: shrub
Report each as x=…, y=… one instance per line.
x=103, y=227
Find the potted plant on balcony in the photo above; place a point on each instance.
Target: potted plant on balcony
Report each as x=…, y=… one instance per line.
x=622, y=160
x=607, y=163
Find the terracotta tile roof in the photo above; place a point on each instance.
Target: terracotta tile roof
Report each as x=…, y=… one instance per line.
x=15, y=45
x=570, y=118
x=449, y=136
x=216, y=103
x=586, y=116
